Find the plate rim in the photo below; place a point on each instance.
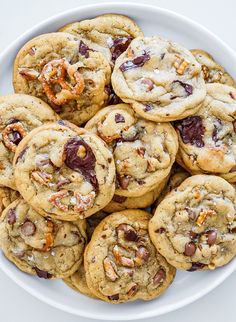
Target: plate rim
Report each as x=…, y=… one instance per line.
x=151, y=313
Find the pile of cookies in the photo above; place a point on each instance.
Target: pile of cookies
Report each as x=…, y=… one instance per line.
x=90, y=191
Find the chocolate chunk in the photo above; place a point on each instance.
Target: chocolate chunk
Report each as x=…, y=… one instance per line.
x=211, y=237
x=123, y=181
x=231, y=95
x=159, y=276
x=191, y=213
x=119, y=199
x=191, y=130
x=135, y=63
x=120, y=45
x=114, y=297
x=196, y=266
x=214, y=134
x=133, y=290
x=61, y=122
x=161, y=230
x=163, y=55
x=187, y=87
x=140, y=182
x=11, y=216
x=233, y=169
x=83, y=49
x=131, y=235
x=143, y=253
x=190, y=249
x=148, y=108
x=28, y=228
x=234, y=125
x=15, y=137
x=193, y=235
x=113, y=98
x=20, y=156
x=119, y=118
x=41, y=273
x=85, y=165
x=12, y=121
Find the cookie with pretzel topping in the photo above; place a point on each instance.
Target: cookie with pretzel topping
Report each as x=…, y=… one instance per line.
x=63, y=71
x=109, y=34
x=194, y=226
x=143, y=151
x=19, y=114
x=64, y=172
x=160, y=79
x=122, y=264
x=41, y=246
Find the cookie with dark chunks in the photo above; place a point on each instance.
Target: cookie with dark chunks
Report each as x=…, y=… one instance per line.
x=160, y=79
x=119, y=203
x=212, y=71
x=122, y=264
x=7, y=196
x=207, y=139
x=41, y=246
x=109, y=34
x=64, y=172
x=194, y=227
x=143, y=151
x=55, y=68
x=19, y=114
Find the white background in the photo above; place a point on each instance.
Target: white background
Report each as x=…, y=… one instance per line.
x=16, y=16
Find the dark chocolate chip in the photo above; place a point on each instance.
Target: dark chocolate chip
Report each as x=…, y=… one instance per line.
x=120, y=45
x=41, y=273
x=159, y=276
x=191, y=130
x=131, y=235
x=123, y=181
x=148, y=108
x=140, y=182
x=119, y=199
x=191, y=213
x=232, y=95
x=83, y=49
x=163, y=55
x=190, y=249
x=86, y=165
x=135, y=63
x=15, y=137
x=20, y=156
x=193, y=235
x=196, y=266
x=11, y=216
x=12, y=121
x=113, y=98
x=114, y=297
x=119, y=118
x=211, y=237
x=28, y=228
x=161, y=230
x=187, y=87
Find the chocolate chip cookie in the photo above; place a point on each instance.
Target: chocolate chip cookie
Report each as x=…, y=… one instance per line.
x=161, y=79
x=64, y=172
x=62, y=70
x=7, y=196
x=109, y=34
x=207, y=139
x=119, y=203
x=39, y=246
x=144, y=151
x=212, y=71
x=121, y=263
x=19, y=114
x=194, y=227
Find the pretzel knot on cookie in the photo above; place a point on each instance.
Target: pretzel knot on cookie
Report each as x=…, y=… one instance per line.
x=12, y=135
x=55, y=73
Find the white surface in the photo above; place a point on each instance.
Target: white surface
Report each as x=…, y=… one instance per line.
x=16, y=305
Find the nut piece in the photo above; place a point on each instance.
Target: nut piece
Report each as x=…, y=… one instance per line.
x=28, y=73
x=41, y=177
x=181, y=64
x=205, y=71
x=49, y=239
x=84, y=202
x=204, y=214
x=109, y=269
x=142, y=255
x=133, y=290
x=122, y=260
x=56, y=197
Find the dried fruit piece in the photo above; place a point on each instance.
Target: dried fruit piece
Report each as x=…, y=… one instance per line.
x=203, y=215
x=109, y=269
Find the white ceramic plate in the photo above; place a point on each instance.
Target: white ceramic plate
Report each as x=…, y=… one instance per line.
x=187, y=287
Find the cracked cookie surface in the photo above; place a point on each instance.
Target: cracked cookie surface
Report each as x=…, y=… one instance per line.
x=161, y=79
x=109, y=34
x=64, y=172
x=63, y=71
x=194, y=227
x=207, y=139
x=41, y=246
x=19, y=114
x=122, y=264
x=143, y=151
x=212, y=71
